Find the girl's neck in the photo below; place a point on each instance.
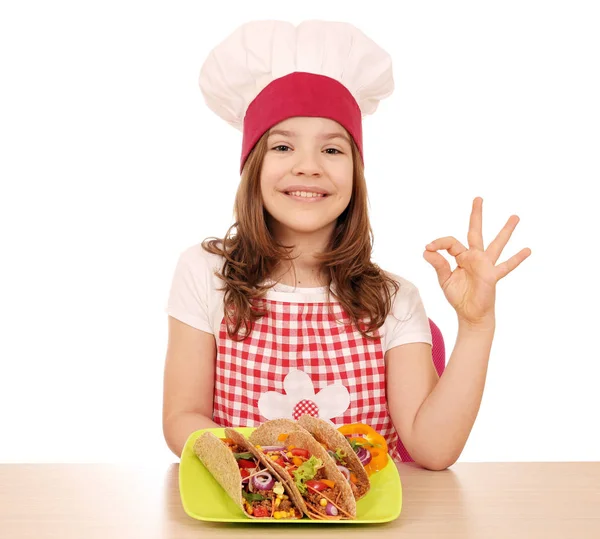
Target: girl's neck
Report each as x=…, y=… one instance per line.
x=305, y=270
x=297, y=275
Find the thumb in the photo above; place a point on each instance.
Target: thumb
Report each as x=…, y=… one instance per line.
x=440, y=265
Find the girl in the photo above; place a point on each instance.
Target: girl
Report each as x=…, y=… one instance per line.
x=287, y=314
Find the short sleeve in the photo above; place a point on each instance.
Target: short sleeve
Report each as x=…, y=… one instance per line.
x=188, y=297
x=408, y=322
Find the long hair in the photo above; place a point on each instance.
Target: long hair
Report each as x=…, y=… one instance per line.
x=251, y=255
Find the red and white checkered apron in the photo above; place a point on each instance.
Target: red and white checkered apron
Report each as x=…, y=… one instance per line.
x=304, y=343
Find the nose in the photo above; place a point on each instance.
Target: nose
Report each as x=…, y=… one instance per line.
x=306, y=164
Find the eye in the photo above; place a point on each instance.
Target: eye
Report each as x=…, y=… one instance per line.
x=332, y=151
x=281, y=148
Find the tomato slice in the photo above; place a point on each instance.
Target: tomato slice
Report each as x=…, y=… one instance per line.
x=281, y=462
x=244, y=472
x=260, y=511
x=301, y=453
x=243, y=463
x=316, y=485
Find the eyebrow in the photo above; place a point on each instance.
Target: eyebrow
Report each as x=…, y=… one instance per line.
x=326, y=136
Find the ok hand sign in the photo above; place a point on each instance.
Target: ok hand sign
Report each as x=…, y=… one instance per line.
x=471, y=287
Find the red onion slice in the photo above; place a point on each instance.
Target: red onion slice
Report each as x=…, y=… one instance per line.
x=331, y=510
x=263, y=481
x=363, y=455
x=266, y=448
x=345, y=471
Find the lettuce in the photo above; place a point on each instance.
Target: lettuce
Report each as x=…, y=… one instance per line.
x=306, y=472
x=252, y=497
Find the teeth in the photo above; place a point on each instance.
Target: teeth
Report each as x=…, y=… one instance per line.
x=305, y=194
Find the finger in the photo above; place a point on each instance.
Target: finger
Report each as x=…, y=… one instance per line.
x=449, y=243
x=495, y=248
x=475, y=234
x=440, y=265
x=502, y=270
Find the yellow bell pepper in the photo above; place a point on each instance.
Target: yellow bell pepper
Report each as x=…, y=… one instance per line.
x=372, y=441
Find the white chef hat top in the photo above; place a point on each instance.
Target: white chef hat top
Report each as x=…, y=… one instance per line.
x=268, y=71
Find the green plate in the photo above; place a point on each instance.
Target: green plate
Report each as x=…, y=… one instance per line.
x=204, y=499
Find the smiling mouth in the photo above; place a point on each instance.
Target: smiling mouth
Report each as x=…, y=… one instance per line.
x=305, y=196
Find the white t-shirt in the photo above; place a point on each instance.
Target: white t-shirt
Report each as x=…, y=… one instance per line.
x=196, y=300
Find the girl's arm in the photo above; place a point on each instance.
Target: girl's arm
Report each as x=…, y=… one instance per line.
x=188, y=383
x=434, y=418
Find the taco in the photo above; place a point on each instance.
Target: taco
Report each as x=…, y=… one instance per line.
x=338, y=447
x=248, y=478
x=321, y=489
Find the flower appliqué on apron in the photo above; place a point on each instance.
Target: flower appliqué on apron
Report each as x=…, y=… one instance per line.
x=300, y=398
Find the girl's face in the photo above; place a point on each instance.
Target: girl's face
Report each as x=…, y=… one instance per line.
x=306, y=179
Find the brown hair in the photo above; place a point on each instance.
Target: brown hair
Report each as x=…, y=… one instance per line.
x=252, y=254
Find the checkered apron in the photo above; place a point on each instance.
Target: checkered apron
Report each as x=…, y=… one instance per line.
x=300, y=339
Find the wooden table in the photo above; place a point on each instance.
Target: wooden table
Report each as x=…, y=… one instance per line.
x=479, y=500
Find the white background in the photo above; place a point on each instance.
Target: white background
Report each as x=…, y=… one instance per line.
x=111, y=165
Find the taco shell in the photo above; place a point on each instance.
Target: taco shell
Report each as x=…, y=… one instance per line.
x=326, y=434
x=220, y=462
x=269, y=432
x=301, y=438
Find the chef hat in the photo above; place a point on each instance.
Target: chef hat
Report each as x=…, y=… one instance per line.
x=268, y=71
